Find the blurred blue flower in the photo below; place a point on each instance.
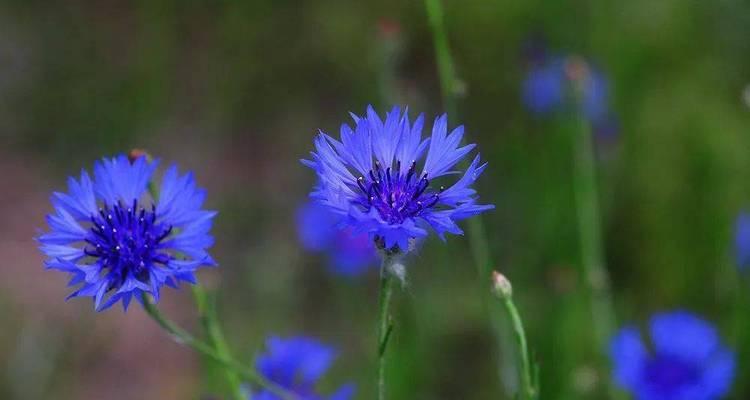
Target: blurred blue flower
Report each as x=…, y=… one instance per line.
x=742, y=240
x=370, y=180
x=297, y=364
x=350, y=254
x=117, y=242
x=543, y=90
x=595, y=100
x=552, y=83
x=686, y=360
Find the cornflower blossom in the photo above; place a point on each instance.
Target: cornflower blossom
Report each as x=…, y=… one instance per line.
x=117, y=241
x=381, y=178
x=297, y=364
x=348, y=255
x=553, y=83
x=684, y=360
x=742, y=240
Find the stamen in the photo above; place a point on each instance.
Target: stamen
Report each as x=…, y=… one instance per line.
x=412, y=169
x=361, y=183
x=124, y=241
x=394, y=195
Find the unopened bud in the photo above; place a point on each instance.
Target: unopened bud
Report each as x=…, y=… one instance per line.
x=577, y=69
x=501, y=285
x=135, y=154
x=388, y=29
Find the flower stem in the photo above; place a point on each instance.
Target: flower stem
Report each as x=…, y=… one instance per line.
x=478, y=242
x=446, y=70
x=590, y=237
x=209, y=320
x=527, y=391
x=385, y=323
x=503, y=290
x=182, y=336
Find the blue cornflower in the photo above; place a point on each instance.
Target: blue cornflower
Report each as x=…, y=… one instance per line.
x=685, y=361
x=552, y=83
x=742, y=240
x=543, y=90
x=372, y=178
x=297, y=364
x=350, y=254
x=117, y=241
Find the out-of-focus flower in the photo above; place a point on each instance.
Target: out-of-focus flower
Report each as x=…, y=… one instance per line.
x=117, y=241
x=553, y=83
x=297, y=364
x=742, y=240
x=388, y=29
x=349, y=254
x=685, y=361
x=543, y=90
x=370, y=179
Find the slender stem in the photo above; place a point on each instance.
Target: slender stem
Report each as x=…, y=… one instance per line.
x=211, y=326
x=528, y=392
x=590, y=237
x=210, y=322
x=182, y=336
x=385, y=323
x=478, y=241
x=446, y=70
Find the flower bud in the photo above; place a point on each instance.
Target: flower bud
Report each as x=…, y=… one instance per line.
x=501, y=285
x=135, y=154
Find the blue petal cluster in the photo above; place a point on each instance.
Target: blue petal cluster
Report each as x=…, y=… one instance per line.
x=543, y=90
x=687, y=360
x=116, y=241
x=350, y=254
x=379, y=178
x=297, y=364
x=742, y=240
x=549, y=86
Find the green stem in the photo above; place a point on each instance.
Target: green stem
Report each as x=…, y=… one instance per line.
x=445, y=65
x=210, y=322
x=385, y=323
x=478, y=242
x=182, y=336
x=528, y=392
x=590, y=237
x=478, y=239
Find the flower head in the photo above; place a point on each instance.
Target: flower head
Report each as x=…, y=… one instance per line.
x=742, y=240
x=297, y=364
x=349, y=254
x=117, y=241
x=687, y=362
x=543, y=90
x=380, y=178
x=551, y=83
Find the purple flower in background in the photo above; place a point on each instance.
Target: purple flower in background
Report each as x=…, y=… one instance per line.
x=543, y=90
x=297, y=364
x=685, y=361
x=379, y=179
x=742, y=240
x=551, y=83
x=595, y=100
x=349, y=254
x=116, y=241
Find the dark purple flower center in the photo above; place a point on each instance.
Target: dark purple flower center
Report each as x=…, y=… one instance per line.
x=668, y=374
x=394, y=195
x=125, y=240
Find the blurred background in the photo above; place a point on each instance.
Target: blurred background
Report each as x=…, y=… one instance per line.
x=235, y=91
